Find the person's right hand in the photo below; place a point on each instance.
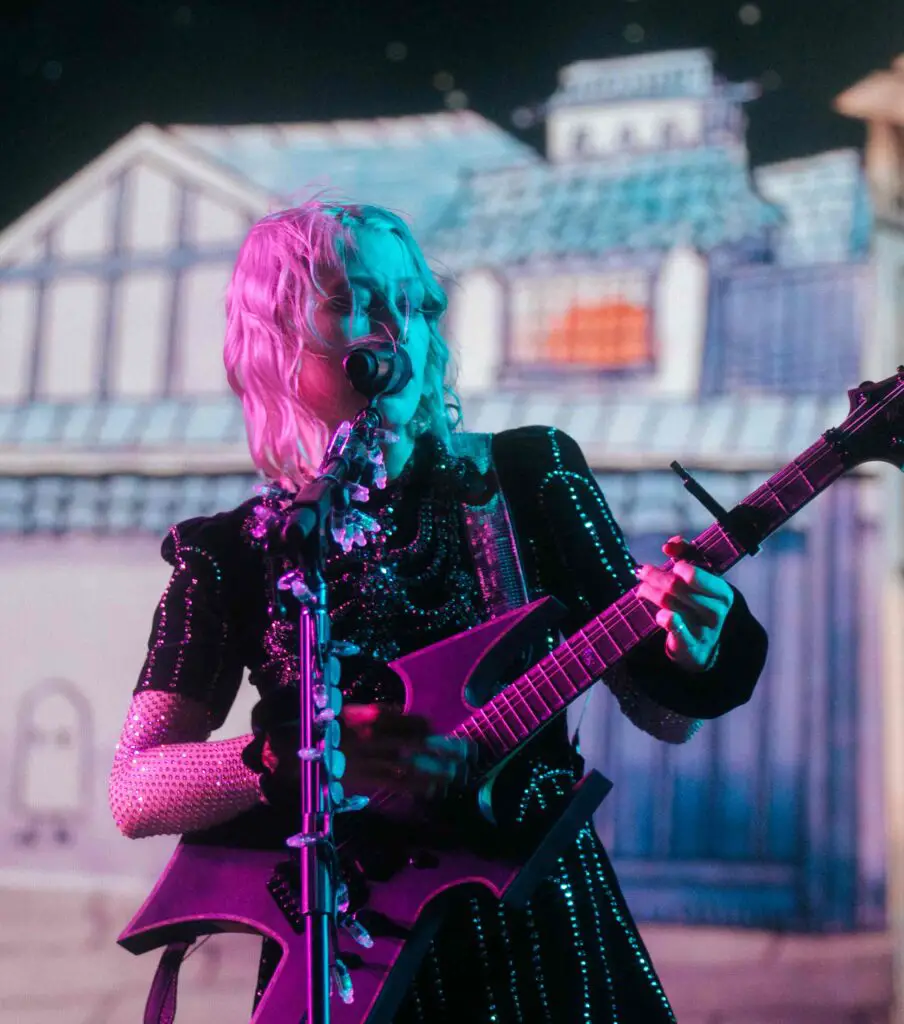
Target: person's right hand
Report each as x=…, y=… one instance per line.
x=384, y=749
x=387, y=749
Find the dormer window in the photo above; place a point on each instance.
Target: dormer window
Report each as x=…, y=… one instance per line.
x=580, y=142
x=671, y=135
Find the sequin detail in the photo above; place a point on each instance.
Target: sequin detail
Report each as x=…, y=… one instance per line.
x=646, y=714
x=166, y=779
x=640, y=709
x=184, y=654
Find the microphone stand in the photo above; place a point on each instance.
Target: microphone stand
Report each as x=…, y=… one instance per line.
x=347, y=465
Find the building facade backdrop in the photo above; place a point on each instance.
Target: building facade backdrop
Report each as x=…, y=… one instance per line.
x=637, y=286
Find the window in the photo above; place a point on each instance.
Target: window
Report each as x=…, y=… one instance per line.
x=580, y=142
x=671, y=134
x=582, y=322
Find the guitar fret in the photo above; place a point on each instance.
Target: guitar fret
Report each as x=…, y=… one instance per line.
x=549, y=694
x=620, y=632
x=623, y=619
x=537, y=719
x=488, y=733
x=588, y=655
x=637, y=615
x=495, y=706
x=561, y=675
x=529, y=690
x=503, y=697
x=568, y=663
x=795, y=486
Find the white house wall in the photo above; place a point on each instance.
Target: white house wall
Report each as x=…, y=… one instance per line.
x=151, y=222
x=679, y=321
x=211, y=223
x=17, y=329
x=72, y=332
x=87, y=231
x=138, y=356
x=476, y=326
x=200, y=331
x=85, y=603
x=133, y=304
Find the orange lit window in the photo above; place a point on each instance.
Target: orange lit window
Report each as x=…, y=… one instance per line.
x=592, y=320
x=610, y=334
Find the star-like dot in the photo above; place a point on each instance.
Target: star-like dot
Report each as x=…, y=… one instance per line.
x=523, y=117
x=750, y=14
x=634, y=33
x=443, y=81
x=396, y=51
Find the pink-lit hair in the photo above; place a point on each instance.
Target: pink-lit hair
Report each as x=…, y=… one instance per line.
x=269, y=323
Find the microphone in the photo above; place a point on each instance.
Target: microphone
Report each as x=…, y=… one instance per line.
x=377, y=368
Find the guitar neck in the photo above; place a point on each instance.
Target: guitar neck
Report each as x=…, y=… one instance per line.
x=523, y=707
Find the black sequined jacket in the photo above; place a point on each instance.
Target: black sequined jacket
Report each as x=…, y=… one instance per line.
x=574, y=953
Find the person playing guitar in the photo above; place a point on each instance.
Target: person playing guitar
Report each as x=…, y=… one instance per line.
x=466, y=527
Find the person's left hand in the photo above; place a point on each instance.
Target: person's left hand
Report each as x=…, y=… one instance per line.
x=692, y=606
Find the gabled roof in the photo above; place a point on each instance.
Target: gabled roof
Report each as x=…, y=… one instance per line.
x=825, y=200
x=146, y=143
x=409, y=164
x=700, y=197
x=662, y=75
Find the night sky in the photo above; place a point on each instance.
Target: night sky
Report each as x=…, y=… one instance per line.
x=75, y=76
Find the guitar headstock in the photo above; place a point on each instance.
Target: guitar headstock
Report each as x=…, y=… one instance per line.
x=874, y=430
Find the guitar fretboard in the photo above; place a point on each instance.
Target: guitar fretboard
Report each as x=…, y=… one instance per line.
x=525, y=705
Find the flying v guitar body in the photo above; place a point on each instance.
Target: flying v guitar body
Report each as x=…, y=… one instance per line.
x=407, y=870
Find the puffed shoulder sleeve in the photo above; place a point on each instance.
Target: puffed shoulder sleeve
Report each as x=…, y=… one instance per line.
x=582, y=559
x=193, y=647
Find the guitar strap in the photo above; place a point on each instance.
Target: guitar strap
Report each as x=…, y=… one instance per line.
x=502, y=582
x=491, y=537
x=160, y=1007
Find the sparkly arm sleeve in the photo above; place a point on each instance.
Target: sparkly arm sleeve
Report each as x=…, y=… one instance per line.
x=166, y=779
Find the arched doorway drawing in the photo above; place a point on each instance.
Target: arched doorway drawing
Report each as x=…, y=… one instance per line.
x=52, y=754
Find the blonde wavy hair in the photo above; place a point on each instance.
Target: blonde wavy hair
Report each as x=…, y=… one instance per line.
x=275, y=286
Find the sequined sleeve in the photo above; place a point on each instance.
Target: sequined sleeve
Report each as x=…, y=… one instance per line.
x=193, y=649
x=579, y=555
x=167, y=776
